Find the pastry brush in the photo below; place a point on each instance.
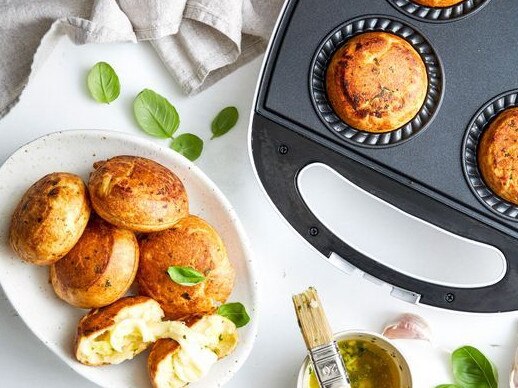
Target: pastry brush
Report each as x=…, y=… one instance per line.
x=327, y=362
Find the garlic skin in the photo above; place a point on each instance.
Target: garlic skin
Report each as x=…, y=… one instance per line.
x=409, y=326
x=513, y=378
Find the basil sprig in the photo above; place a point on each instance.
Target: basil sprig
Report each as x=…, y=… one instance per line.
x=185, y=276
x=155, y=114
x=159, y=118
x=471, y=369
x=103, y=83
x=235, y=312
x=188, y=145
x=224, y=121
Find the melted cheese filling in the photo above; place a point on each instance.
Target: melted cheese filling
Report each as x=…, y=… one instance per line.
x=131, y=333
x=210, y=338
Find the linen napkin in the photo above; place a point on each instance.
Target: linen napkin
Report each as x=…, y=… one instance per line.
x=199, y=41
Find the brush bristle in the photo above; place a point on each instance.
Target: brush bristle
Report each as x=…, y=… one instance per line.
x=312, y=319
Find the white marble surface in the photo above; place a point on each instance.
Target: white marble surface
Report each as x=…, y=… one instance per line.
x=57, y=99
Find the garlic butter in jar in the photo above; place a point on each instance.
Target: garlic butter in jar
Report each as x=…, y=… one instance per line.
x=371, y=362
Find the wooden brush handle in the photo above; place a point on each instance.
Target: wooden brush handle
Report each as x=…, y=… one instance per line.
x=327, y=362
x=312, y=319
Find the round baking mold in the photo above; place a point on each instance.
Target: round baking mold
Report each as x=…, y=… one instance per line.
x=438, y=15
x=399, y=28
x=469, y=154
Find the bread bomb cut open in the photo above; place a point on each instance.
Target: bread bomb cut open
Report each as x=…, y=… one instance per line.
x=184, y=353
x=179, y=361
x=118, y=332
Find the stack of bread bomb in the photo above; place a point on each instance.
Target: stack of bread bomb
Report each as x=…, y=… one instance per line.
x=131, y=221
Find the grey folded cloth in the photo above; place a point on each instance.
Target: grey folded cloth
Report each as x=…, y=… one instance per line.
x=199, y=41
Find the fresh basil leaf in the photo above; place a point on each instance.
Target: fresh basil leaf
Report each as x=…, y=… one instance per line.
x=236, y=312
x=155, y=115
x=188, y=145
x=185, y=276
x=447, y=386
x=224, y=121
x=472, y=369
x=103, y=83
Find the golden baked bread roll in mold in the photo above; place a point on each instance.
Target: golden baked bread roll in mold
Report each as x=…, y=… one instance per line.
x=438, y=3
x=376, y=82
x=497, y=155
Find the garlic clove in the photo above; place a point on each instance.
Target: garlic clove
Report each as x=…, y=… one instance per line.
x=409, y=326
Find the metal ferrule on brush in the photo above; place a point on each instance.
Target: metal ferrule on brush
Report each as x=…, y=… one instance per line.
x=329, y=366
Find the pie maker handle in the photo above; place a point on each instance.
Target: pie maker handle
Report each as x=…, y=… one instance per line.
x=280, y=154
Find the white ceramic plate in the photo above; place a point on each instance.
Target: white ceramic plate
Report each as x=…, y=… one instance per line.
x=53, y=321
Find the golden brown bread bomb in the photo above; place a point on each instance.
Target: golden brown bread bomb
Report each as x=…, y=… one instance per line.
x=191, y=242
x=118, y=332
x=376, y=82
x=99, y=269
x=498, y=155
x=50, y=218
x=169, y=366
x=137, y=194
x=437, y=3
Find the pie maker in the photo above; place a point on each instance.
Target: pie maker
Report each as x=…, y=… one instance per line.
x=428, y=167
